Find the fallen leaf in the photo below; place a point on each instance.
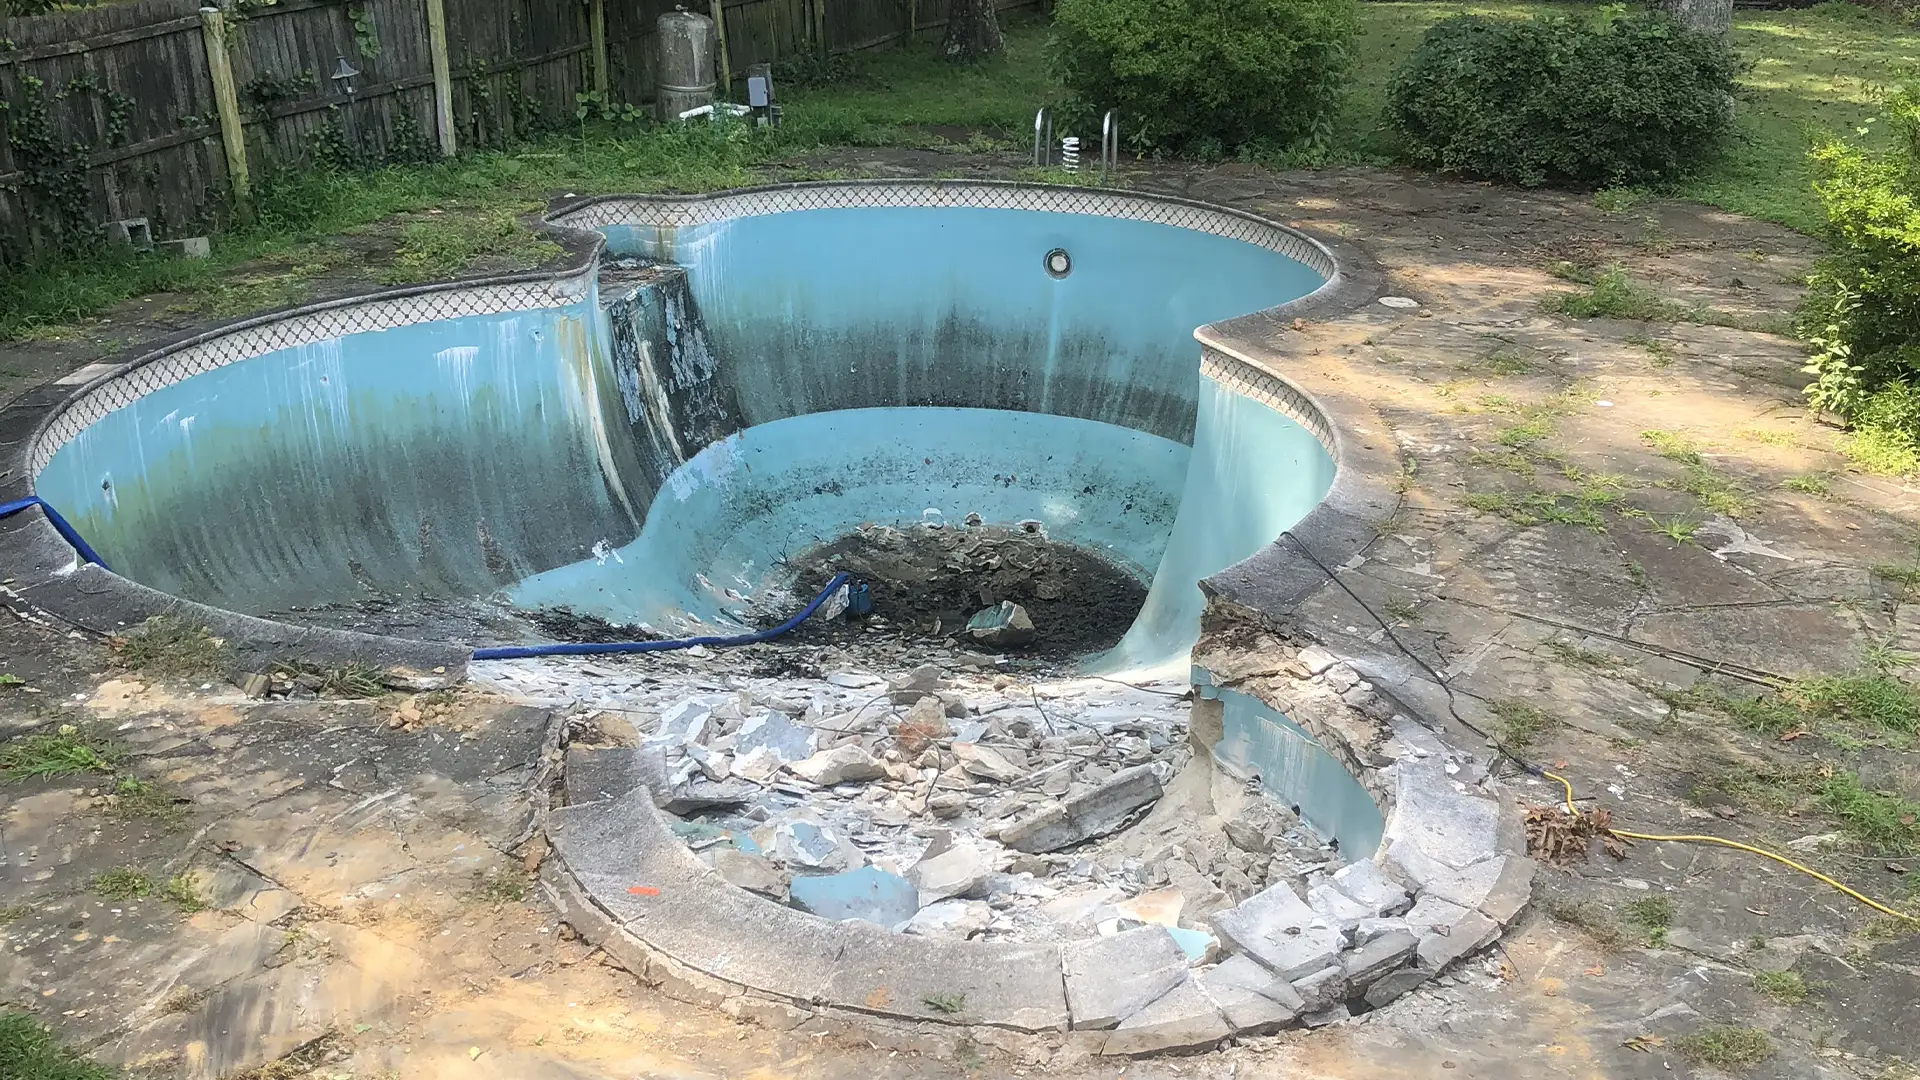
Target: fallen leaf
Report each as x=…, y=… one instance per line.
x=1792, y=735
x=1757, y=911
x=1643, y=1043
x=877, y=999
x=473, y=1053
x=1896, y=868
x=643, y=890
x=1597, y=970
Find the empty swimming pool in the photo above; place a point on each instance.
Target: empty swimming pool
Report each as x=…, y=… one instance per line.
x=652, y=440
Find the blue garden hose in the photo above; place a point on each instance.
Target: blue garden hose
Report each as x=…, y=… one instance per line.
x=498, y=652
x=66, y=531
x=508, y=652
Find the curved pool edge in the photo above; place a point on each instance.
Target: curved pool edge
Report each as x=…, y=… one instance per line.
x=40, y=572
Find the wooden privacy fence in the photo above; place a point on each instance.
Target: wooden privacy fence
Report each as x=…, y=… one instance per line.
x=171, y=111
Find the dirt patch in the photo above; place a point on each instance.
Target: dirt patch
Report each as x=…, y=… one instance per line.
x=926, y=582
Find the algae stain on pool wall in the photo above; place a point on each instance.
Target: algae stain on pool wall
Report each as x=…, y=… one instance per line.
x=796, y=375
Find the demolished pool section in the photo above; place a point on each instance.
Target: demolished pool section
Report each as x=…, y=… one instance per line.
x=652, y=446
x=662, y=437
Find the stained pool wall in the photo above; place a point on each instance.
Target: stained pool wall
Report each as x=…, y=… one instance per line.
x=457, y=456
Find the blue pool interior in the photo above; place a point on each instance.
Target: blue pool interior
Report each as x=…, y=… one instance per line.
x=650, y=453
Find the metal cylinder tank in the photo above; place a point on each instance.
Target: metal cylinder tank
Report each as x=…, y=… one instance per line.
x=684, y=68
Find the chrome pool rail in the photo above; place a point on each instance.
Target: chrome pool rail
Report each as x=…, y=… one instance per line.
x=1042, y=137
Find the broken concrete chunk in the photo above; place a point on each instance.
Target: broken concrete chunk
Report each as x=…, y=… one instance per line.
x=1321, y=988
x=776, y=733
x=1510, y=891
x=1364, y=884
x=758, y=765
x=1451, y=828
x=950, y=919
x=705, y=795
x=1337, y=907
x=911, y=687
x=924, y=724
x=840, y=765
x=1247, y=838
x=1252, y=999
x=1472, y=931
x=1316, y=659
x=1286, y=936
x=1001, y=627
x=713, y=765
x=1183, y=1018
x=987, y=763
x=1391, y=986
x=749, y=871
x=869, y=894
x=1111, y=978
x=1386, y=953
x=1094, y=813
x=1161, y=907
x=809, y=846
x=947, y=804
x=684, y=723
x=956, y=871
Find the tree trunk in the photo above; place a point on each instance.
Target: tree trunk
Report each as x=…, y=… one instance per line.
x=973, y=31
x=1707, y=16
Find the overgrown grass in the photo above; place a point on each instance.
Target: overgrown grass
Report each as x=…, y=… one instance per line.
x=1735, y=1049
x=1611, y=293
x=183, y=891
x=445, y=244
x=28, y=1051
x=124, y=883
x=168, y=647
x=1814, y=484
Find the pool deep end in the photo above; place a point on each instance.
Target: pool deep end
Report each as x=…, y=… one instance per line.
x=649, y=451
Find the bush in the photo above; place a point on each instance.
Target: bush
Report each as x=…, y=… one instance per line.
x=1863, y=312
x=1614, y=100
x=1203, y=77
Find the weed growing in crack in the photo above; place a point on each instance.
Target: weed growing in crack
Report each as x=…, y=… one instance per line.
x=1785, y=987
x=1653, y=915
x=1521, y=724
x=1570, y=653
x=946, y=1004
x=1676, y=528
x=1659, y=353
x=1402, y=609
x=502, y=885
x=1591, y=919
x=1815, y=484
x=122, y=884
x=167, y=647
x=1735, y=1049
x=182, y=999
x=183, y=891
x=1610, y=294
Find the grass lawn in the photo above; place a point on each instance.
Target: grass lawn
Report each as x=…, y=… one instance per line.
x=28, y=1052
x=1813, y=74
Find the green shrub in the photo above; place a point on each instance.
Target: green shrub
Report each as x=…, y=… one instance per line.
x=1613, y=100
x=1203, y=77
x=1863, y=313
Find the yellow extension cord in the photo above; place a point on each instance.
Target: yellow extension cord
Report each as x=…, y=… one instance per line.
x=1735, y=844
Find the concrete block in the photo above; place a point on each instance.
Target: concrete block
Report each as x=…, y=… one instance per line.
x=187, y=247
x=1511, y=891
x=1373, y=928
x=1470, y=887
x=1339, y=909
x=958, y=871
x=1095, y=813
x=1003, y=984
x=1433, y=914
x=1365, y=965
x=1407, y=864
x=1365, y=884
x=1249, y=996
x=1391, y=986
x=1451, y=828
x=1183, y=1018
x=1472, y=932
x=1332, y=1014
x=686, y=722
x=1321, y=988
x=598, y=775
x=1286, y=936
x=1109, y=979
x=1316, y=659
x=869, y=894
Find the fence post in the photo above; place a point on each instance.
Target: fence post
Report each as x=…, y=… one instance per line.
x=718, y=12
x=226, y=100
x=442, y=76
x=597, y=22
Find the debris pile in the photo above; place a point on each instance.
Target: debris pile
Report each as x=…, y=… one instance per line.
x=960, y=807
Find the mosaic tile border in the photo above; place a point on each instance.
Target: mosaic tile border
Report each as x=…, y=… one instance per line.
x=321, y=322
x=682, y=211
x=1244, y=379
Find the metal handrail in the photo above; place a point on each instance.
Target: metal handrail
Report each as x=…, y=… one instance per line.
x=1042, y=144
x=1109, y=144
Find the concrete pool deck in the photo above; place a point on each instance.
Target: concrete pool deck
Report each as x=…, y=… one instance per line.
x=317, y=801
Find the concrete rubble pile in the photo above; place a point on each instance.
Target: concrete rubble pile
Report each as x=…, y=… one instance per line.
x=963, y=807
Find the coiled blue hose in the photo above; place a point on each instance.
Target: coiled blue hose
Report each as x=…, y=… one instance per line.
x=66, y=531
x=498, y=652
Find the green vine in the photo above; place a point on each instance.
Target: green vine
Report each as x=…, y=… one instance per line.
x=119, y=106
x=479, y=103
x=53, y=170
x=265, y=91
x=366, y=36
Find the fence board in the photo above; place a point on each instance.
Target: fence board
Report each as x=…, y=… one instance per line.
x=516, y=66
